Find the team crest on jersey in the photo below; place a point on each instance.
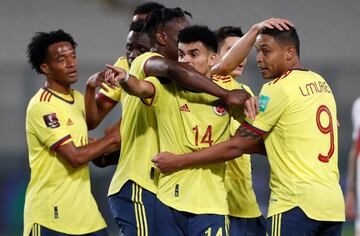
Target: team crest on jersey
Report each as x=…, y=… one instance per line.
x=220, y=108
x=263, y=101
x=51, y=120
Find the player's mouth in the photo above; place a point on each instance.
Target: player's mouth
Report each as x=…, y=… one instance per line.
x=72, y=73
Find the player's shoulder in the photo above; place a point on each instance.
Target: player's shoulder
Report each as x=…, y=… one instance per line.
x=356, y=104
x=145, y=56
x=122, y=62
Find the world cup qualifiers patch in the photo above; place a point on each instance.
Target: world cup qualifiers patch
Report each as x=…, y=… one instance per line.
x=220, y=108
x=263, y=101
x=51, y=120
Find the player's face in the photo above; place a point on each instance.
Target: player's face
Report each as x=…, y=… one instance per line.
x=137, y=44
x=61, y=64
x=198, y=56
x=270, y=56
x=172, y=30
x=226, y=45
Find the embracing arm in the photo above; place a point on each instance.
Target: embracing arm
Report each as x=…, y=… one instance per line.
x=77, y=156
x=243, y=142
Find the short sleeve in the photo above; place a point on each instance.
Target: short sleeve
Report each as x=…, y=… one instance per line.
x=273, y=101
x=49, y=125
x=157, y=99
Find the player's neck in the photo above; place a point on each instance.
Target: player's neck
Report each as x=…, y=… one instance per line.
x=58, y=87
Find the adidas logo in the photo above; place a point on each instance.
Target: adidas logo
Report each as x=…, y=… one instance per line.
x=69, y=122
x=185, y=108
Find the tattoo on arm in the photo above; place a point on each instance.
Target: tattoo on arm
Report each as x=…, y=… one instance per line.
x=245, y=132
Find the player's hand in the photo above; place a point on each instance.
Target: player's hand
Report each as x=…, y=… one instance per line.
x=280, y=24
x=115, y=75
x=91, y=140
x=251, y=107
x=166, y=162
x=97, y=80
x=350, y=206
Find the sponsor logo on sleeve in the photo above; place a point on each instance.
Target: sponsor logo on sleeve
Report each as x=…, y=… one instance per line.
x=51, y=120
x=263, y=102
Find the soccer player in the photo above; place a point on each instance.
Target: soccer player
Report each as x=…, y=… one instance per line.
x=244, y=214
x=58, y=198
x=298, y=124
x=193, y=201
x=98, y=105
x=353, y=177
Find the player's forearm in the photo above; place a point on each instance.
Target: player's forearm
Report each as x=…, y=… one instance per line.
x=191, y=79
x=91, y=109
x=138, y=88
x=218, y=153
x=237, y=54
x=78, y=156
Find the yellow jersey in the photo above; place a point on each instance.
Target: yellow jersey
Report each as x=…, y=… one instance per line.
x=58, y=196
x=299, y=122
x=139, y=138
x=238, y=179
x=188, y=122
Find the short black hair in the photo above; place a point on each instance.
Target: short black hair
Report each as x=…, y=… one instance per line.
x=227, y=31
x=147, y=8
x=160, y=17
x=37, y=50
x=286, y=36
x=137, y=26
x=199, y=33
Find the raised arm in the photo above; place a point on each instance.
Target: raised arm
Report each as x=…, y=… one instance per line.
x=240, y=50
x=243, y=142
x=96, y=107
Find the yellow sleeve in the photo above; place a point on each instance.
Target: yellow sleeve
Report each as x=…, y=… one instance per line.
x=273, y=101
x=49, y=125
x=159, y=95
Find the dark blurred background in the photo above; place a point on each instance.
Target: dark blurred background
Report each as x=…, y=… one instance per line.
x=329, y=33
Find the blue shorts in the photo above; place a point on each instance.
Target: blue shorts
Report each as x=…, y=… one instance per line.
x=170, y=222
x=246, y=226
x=133, y=209
x=295, y=223
x=39, y=230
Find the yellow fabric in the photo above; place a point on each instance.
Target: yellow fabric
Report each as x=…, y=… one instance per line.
x=116, y=94
x=190, y=122
x=293, y=113
x=139, y=139
x=58, y=196
x=238, y=179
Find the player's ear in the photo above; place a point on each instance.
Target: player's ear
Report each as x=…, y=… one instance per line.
x=290, y=53
x=161, y=38
x=213, y=58
x=44, y=68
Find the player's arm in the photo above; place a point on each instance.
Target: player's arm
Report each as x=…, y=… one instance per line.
x=239, y=51
x=78, y=156
x=243, y=142
x=107, y=159
x=132, y=85
x=96, y=107
x=111, y=156
x=350, y=200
